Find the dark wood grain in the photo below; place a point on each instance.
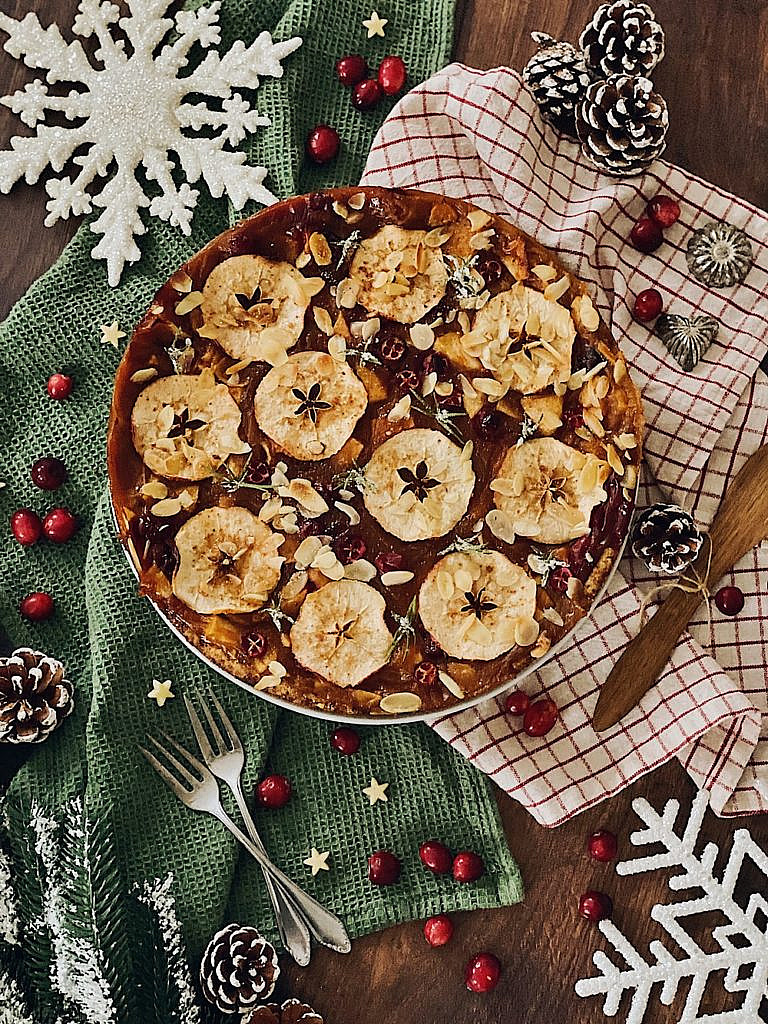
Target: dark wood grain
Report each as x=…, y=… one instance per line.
x=715, y=80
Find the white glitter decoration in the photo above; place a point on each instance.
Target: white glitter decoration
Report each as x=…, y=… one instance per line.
x=742, y=943
x=131, y=112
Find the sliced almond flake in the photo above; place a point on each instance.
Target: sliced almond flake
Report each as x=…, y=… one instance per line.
x=619, y=370
x=188, y=303
x=630, y=477
x=467, y=387
x=450, y=684
x=584, y=309
x=572, y=587
x=478, y=219
x=147, y=373
x=435, y=323
x=400, y=410
x=481, y=240
x=302, y=260
x=346, y=494
x=576, y=380
x=400, y=703
x=361, y=569
x=595, y=370
x=544, y=272
x=166, y=508
x=396, y=578
x=325, y=558
x=437, y=237
x=323, y=319
x=429, y=384
x=340, y=209
x=156, y=309
x=503, y=486
x=277, y=669
x=462, y=319
x=625, y=441
x=501, y=525
x=557, y=289
x=349, y=511
x=395, y=290
x=422, y=337
x=346, y=293
x=592, y=421
x=354, y=218
x=315, y=447
x=526, y=632
x=541, y=646
x=612, y=457
x=466, y=451
x=444, y=388
x=318, y=246
x=237, y=367
x=526, y=527
x=357, y=201
x=154, y=489
x=560, y=387
x=601, y=387
x=188, y=497
x=304, y=492
x=337, y=349
x=181, y=282
x=479, y=633
x=553, y=615
x=583, y=433
x=370, y=328
x=490, y=386
x=266, y=682
x=306, y=551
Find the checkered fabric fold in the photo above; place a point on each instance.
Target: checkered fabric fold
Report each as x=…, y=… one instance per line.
x=477, y=135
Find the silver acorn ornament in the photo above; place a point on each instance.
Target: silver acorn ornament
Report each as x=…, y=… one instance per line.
x=686, y=338
x=719, y=254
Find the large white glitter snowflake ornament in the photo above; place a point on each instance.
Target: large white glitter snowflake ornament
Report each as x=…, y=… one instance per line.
x=130, y=110
x=738, y=949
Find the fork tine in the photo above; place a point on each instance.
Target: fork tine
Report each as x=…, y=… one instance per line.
x=223, y=745
x=234, y=739
x=197, y=728
x=198, y=765
x=185, y=773
x=165, y=775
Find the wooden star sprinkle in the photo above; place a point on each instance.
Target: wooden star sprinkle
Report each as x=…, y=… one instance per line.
x=375, y=25
x=317, y=861
x=377, y=791
x=161, y=692
x=111, y=334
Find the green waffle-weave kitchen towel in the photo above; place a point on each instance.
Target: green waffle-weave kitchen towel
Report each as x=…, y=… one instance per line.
x=114, y=645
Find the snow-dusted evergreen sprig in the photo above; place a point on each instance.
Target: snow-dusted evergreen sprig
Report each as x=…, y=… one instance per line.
x=462, y=276
x=528, y=428
x=442, y=416
x=14, y=1007
x=9, y=910
x=157, y=895
x=108, y=119
x=353, y=479
x=405, y=631
x=347, y=246
x=741, y=943
x=280, y=619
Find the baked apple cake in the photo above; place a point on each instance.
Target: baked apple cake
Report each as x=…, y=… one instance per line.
x=373, y=452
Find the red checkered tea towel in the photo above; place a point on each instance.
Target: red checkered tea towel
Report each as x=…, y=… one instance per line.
x=477, y=135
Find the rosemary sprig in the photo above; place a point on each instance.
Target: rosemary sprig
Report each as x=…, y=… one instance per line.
x=473, y=543
x=443, y=417
x=363, y=354
x=406, y=631
x=277, y=615
x=544, y=564
x=230, y=482
x=353, y=479
x=528, y=429
x=346, y=245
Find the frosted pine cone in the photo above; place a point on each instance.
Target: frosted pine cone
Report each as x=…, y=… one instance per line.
x=623, y=38
x=239, y=969
x=291, y=1012
x=666, y=538
x=35, y=698
x=558, y=78
x=622, y=124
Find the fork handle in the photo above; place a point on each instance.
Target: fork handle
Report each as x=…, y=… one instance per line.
x=325, y=926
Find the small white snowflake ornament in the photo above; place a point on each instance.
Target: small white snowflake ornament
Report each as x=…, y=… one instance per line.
x=741, y=952
x=130, y=111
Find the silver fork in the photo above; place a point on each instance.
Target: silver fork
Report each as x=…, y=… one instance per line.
x=201, y=793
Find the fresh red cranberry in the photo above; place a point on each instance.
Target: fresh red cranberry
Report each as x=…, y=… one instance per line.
x=646, y=235
x=603, y=845
x=323, y=144
x=435, y=362
x=648, y=305
x=392, y=75
x=48, y=473
x=352, y=69
x=488, y=422
x=573, y=418
x=407, y=380
x=425, y=673
x=59, y=525
x=729, y=600
x=274, y=791
x=540, y=717
x=389, y=347
x=438, y=930
x=595, y=906
x=467, y=866
x=37, y=607
x=489, y=268
x=517, y=703
x=558, y=578
x=254, y=644
x=349, y=547
x=59, y=386
x=258, y=473
x=26, y=526
x=388, y=561
x=664, y=210
x=436, y=857
x=383, y=868
x=346, y=740
x=366, y=94
x=482, y=973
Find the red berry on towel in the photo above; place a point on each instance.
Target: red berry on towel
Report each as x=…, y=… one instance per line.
x=383, y=868
x=274, y=791
x=482, y=973
x=438, y=930
x=59, y=525
x=346, y=740
x=467, y=866
x=323, y=144
x=392, y=75
x=37, y=607
x=352, y=69
x=436, y=857
x=602, y=845
x=646, y=235
x=366, y=94
x=59, y=386
x=48, y=473
x=26, y=526
x=425, y=673
x=540, y=717
x=595, y=906
x=648, y=305
x=517, y=703
x=729, y=600
x=664, y=210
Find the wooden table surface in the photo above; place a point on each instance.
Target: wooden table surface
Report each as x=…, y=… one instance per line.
x=715, y=79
